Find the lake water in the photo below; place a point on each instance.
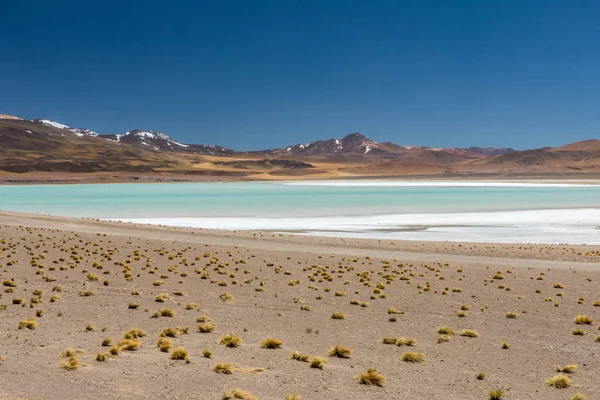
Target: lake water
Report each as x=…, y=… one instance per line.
x=461, y=211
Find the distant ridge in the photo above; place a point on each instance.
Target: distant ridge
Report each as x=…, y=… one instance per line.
x=47, y=145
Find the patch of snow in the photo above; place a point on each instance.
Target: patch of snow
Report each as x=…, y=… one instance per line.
x=29, y=132
x=367, y=149
x=54, y=124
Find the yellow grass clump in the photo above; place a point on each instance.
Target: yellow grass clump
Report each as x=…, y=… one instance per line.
x=318, y=362
x=206, y=328
x=559, y=381
x=134, y=333
x=239, y=394
x=583, y=320
x=469, y=333
x=340, y=352
x=271, y=343
x=29, y=323
x=223, y=368
x=164, y=344
x=371, y=377
x=413, y=357
x=180, y=354
x=230, y=340
x=567, y=369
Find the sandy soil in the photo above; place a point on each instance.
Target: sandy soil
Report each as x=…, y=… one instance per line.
x=272, y=277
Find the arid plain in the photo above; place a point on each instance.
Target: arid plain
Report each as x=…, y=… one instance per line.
x=436, y=320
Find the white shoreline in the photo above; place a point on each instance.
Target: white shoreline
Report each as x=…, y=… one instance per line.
x=569, y=226
x=398, y=183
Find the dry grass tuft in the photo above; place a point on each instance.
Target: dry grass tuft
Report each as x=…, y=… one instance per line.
x=164, y=344
x=28, y=323
x=206, y=328
x=227, y=297
x=469, y=333
x=496, y=394
x=578, y=396
x=238, y=394
x=559, y=381
x=71, y=364
x=292, y=396
x=103, y=356
x=70, y=352
x=223, y=368
x=583, y=320
x=300, y=357
x=340, y=352
x=318, y=362
x=445, y=330
x=271, y=343
x=567, y=369
x=371, y=377
x=230, y=340
x=413, y=357
x=134, y=333
x=338, y=316
x=402, y=341
x=129, y=344
x=180, y=354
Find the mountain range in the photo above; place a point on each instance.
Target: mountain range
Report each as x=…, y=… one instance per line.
x=46, y=145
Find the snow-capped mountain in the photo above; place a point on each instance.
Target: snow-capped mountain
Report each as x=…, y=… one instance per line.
x=355, y=143
x=81, y=132
x=160, y=141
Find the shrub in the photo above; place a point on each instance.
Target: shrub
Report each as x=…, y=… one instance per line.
x=469, y=333
x=338, y=316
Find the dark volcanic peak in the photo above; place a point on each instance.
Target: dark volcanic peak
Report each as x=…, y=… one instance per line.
x=352, y=143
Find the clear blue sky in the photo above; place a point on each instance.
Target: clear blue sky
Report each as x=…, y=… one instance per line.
x=267, y=73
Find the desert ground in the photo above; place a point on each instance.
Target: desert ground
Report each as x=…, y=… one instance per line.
x=93, y=309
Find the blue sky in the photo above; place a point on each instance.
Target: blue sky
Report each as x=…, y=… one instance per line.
x=267, y=73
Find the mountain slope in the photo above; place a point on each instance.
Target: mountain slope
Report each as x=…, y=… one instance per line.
x=40, y=146
x=160, y=141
